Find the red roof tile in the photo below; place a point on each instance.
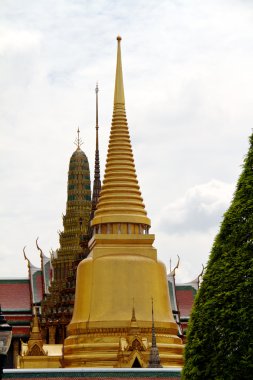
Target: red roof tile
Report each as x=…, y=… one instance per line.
x=15, y=295
x=185, y=298
x=21, y=330
x=16, y=317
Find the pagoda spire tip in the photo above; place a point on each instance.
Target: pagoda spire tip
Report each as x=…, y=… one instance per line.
x=119, y=97
x=78, y=140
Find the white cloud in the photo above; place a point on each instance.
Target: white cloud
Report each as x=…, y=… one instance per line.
x=192, y=248
x=200, y=209
x=188, y=225
x=188, y=79
x=13, y=40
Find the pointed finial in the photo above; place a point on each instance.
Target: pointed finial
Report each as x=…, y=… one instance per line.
x=97, y=182
x=78, y=133
x=35, y=335
x=133, y=319
x=153, y=326
x=119, y=96
x=96, y=91
x=78, y=141
x=154, y=359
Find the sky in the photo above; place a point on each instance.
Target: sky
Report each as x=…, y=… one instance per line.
x=188, y=80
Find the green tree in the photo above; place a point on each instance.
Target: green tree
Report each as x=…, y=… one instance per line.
x=220, y=333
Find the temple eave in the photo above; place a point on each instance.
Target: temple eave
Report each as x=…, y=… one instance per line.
x=128, y=240
x=114, y=327
x=119, y=218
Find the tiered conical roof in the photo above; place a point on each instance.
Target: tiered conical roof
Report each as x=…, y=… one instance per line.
x=78, y=178
x=75, y=223
x=120, y=198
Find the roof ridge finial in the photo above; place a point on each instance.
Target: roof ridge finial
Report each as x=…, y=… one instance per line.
x=173, y=271
x=26, y=258
x=39, y=249
x=78, y=140
x=119, y=96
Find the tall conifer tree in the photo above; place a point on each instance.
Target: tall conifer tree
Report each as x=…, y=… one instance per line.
x=220, y=334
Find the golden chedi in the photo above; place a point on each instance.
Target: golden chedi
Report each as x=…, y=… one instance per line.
x=112, y=319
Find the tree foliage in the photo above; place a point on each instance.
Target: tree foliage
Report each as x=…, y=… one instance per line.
x=220, y=333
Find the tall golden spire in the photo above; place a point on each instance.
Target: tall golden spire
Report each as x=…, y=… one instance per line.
x=119, y=97
x=120, y=198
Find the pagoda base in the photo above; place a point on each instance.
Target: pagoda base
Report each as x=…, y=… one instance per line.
x=121, y=348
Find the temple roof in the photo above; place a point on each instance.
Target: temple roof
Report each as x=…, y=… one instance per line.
x=15, y=294
x=185, y=298
x=78, y=153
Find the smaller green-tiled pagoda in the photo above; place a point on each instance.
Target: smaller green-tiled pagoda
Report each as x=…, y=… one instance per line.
x=75, y=225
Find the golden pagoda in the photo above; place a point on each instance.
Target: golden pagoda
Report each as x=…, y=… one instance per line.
x=111, y=324
x=35, y=353
x=55, y=315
